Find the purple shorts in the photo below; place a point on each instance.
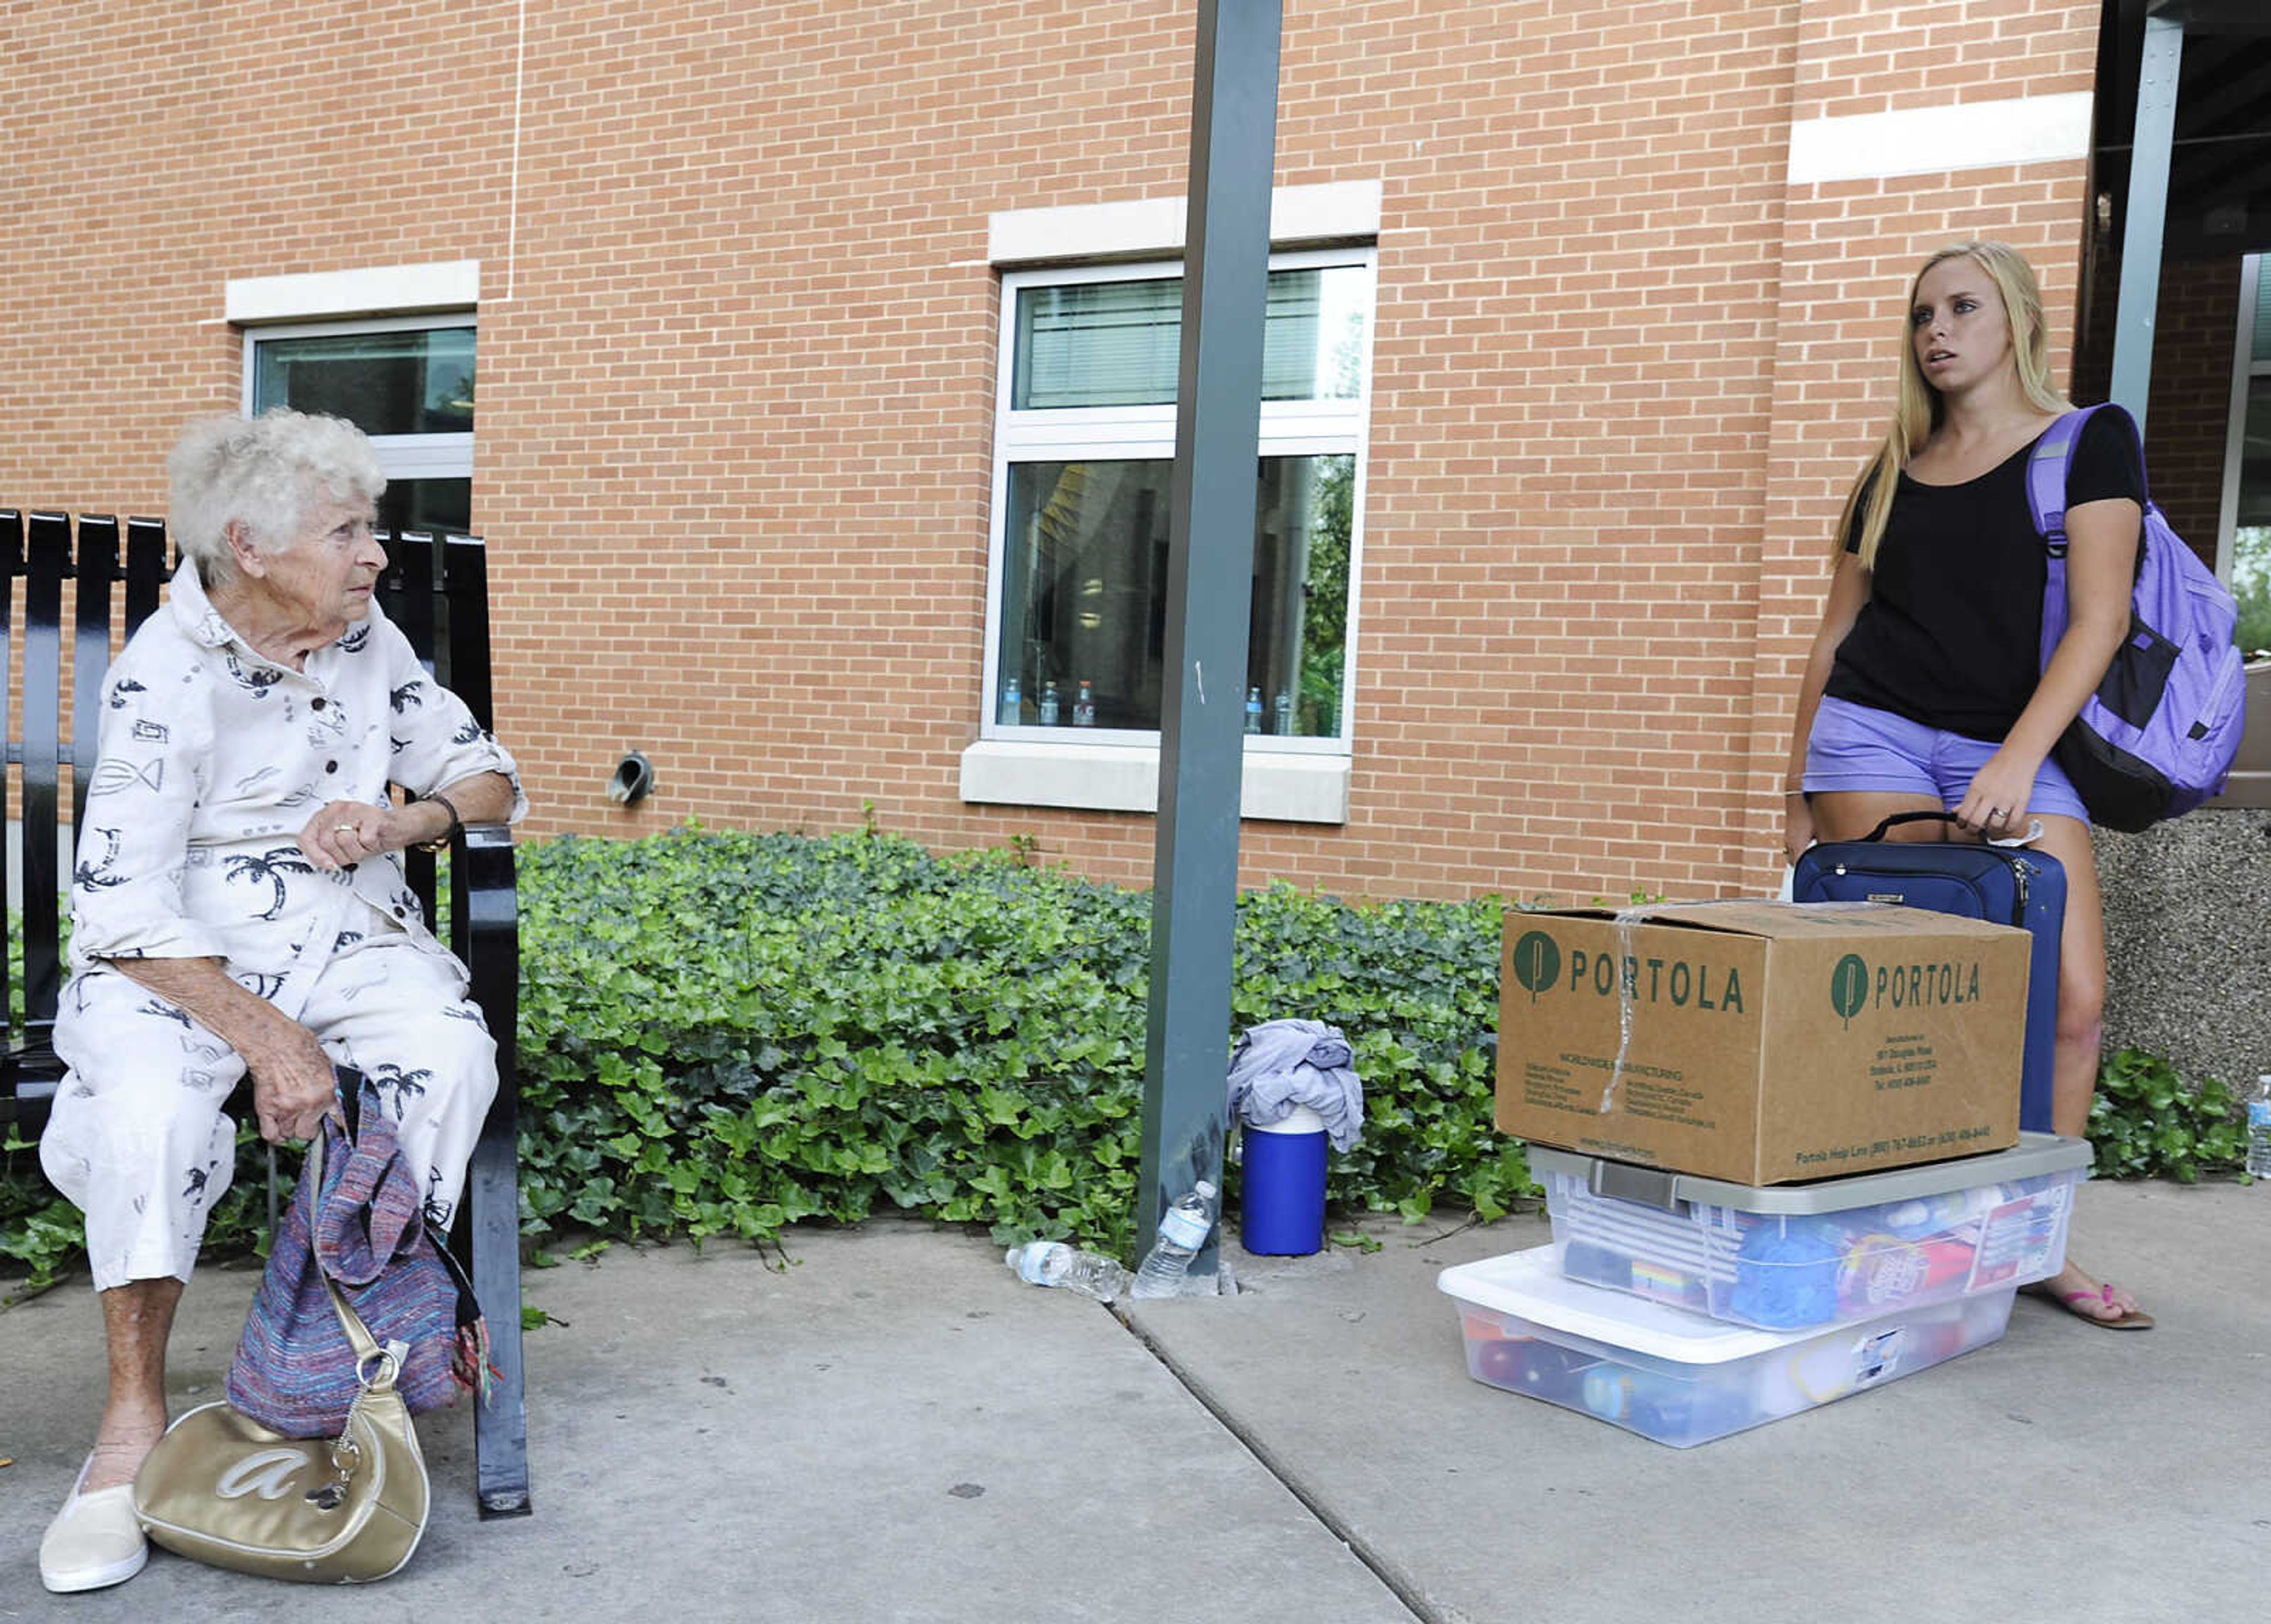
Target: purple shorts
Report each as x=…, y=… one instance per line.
x=1854, y=748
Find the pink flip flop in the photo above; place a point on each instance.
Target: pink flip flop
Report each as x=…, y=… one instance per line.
x=2083, y=1305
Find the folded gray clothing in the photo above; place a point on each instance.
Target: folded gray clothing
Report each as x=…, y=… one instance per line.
x=1281, y=1064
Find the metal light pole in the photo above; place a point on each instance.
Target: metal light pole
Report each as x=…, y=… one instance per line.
x=1210, y=589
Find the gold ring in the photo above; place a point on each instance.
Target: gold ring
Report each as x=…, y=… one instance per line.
x=343, y=829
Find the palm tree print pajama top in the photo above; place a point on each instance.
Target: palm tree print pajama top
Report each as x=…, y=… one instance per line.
x=212, y=760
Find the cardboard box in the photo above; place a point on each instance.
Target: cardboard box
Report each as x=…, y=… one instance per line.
x=1762, y=1042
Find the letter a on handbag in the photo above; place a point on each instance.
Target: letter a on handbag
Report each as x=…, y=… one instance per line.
x=222, y=1489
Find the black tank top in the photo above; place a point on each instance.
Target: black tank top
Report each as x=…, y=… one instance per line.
x=1951, y=635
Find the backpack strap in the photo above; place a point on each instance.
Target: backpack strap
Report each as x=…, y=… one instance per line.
x=2046, y=471
x=2054, y=456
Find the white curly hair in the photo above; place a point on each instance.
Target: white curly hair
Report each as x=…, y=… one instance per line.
x=262, y=474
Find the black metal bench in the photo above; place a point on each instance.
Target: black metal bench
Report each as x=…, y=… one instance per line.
x=437, y=592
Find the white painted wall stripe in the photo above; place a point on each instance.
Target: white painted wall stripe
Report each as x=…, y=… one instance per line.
x=1977, y=135
x=1276, y=786
x=1337, y=211
x=376, y=290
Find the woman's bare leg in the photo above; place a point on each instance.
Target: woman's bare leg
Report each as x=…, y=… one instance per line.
x=136, y=1319
x=1850, y=814
x=2081, y=1030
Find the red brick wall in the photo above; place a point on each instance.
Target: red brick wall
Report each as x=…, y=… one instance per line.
x=736, y=365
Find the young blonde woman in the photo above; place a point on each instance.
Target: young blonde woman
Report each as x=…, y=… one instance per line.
x=1924, y=690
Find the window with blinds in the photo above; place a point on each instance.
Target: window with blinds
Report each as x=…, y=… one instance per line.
x=1111, y=343
x=407, y=384
x=1085, y=449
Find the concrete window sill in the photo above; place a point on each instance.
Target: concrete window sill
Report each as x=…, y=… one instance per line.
x=1279, y=787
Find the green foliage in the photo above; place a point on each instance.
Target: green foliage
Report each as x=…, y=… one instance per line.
x=2252, y=631
x=1324, y=614
x=2147, y=1123
x=1414, y=986
x=2251, y=586
x=723, y=1033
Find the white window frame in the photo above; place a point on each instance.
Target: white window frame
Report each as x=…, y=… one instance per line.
x=2245, y=370
x=400, y=456
x=1046, y=766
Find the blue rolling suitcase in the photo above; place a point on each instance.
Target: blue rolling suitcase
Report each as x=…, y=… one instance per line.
x=2003, y=885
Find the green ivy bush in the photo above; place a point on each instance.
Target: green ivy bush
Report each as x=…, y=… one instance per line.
x=2148, y=1122
x=721, y=1034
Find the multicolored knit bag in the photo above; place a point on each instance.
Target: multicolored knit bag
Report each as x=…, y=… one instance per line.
x=294, y=1371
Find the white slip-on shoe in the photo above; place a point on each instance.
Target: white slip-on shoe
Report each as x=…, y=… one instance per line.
x=95, y=1540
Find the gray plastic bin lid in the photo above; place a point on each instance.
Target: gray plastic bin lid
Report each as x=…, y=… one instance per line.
x=2032, y=1157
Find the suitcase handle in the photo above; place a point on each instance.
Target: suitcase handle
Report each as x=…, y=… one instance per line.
x=1877, y=833
x=2034, y=827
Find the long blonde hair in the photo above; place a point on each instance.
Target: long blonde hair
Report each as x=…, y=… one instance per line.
x=1916, y=412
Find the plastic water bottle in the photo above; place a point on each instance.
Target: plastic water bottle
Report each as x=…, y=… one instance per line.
x=2259, y=1130
x=1254, y=710
x=1054, y=1263
x=1183, y=1230
x=1012, y=705
x=1083, y=707
x=1048, y=705
x=1285, y=713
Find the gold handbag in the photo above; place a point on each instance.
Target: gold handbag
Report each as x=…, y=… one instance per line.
x=221, y=1488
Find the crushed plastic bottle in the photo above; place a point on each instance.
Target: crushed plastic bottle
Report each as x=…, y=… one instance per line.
x=1054, y=1262
x=1183, y=1230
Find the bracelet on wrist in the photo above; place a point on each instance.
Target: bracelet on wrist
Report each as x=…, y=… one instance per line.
x=441, y=842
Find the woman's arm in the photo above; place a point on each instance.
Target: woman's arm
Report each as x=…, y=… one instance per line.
x=346, y=831
x=2101, y=574
x=291, y=1083
x=1849, y=590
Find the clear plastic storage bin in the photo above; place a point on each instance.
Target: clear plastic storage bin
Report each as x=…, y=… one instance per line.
x=1840, y=1251
x=1677, y=1377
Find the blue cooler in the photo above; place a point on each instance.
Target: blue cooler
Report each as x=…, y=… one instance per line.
x=1282, y=1214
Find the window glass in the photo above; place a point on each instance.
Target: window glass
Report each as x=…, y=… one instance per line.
x=1084, y=587
x=1085, y=461
x=1091, y=344
x=1119, y=343
x=410, y=387
x=2251, y=537
x=440, y=507
x=419, y=381
x=2250, y=551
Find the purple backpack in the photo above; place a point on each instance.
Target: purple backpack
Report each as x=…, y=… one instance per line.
x=362, y=1223
x=2158, y=736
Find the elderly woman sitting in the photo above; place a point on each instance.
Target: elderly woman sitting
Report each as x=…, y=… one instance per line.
x=240, y=904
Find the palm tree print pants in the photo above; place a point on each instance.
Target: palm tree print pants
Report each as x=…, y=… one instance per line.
x=138, y=1140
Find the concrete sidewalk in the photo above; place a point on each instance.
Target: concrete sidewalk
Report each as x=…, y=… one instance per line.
x=891, y=1427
